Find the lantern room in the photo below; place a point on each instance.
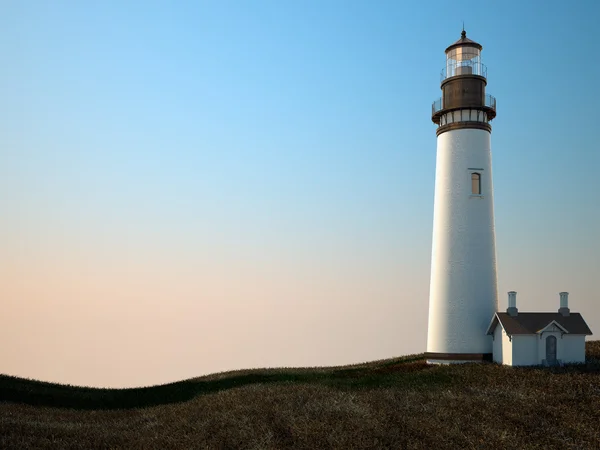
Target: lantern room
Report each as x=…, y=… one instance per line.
x=463, y=58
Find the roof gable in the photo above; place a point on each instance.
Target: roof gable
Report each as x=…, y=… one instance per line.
x=495, y=321
x=553, y=326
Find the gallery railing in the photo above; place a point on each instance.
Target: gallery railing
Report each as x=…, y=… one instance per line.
x=489, y=101
x=468, y=67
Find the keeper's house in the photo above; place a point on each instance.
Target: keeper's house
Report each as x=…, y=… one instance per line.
x=538, y=338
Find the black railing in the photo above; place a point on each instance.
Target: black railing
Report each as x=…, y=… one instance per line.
x=489, y=101
x=463, y=68
x=437, y=106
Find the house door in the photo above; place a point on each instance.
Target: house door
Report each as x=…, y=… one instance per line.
x=551, y=349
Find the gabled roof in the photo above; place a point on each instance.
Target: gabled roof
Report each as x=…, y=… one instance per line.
x=532, y=322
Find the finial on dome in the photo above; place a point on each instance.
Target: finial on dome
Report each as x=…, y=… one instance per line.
x=464, y=33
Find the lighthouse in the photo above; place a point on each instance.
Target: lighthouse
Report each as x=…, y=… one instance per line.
x=463, y=294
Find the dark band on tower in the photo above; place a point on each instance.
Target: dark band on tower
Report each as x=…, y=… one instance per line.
x=464, y=103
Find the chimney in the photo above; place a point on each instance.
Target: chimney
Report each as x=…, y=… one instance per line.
x=564, y=304
x=512, y=304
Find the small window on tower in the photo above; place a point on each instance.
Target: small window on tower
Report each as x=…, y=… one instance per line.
x=476, y=184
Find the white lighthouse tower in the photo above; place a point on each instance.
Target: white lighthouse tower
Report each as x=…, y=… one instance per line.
x=463, y=293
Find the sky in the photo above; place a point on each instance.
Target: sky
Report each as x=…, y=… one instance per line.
x=198, y=186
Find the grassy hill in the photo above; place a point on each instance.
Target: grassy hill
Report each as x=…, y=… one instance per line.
x=396, y=403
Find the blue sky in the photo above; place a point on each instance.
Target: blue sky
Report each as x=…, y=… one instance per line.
x=276, y=161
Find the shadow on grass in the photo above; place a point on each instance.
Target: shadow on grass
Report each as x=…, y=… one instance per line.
x=591, y=365
x=411, y=373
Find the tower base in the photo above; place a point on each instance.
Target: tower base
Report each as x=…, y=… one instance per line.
x=457, y=358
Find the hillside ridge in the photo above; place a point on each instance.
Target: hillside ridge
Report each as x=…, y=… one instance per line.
x=395, y=403
x=43, y=393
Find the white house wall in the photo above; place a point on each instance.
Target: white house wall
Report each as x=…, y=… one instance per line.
x=573, y=348
x=525, y=350
x=503, y=345
x=463, y=290
x=498, y=344
x=528, y=350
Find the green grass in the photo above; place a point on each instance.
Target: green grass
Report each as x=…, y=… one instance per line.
x=396, y=403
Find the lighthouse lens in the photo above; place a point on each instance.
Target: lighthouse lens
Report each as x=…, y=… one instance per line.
x=463, y=61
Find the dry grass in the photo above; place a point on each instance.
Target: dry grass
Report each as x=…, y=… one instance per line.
x=399, y=403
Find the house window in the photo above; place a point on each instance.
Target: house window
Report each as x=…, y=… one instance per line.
x=476, y=183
